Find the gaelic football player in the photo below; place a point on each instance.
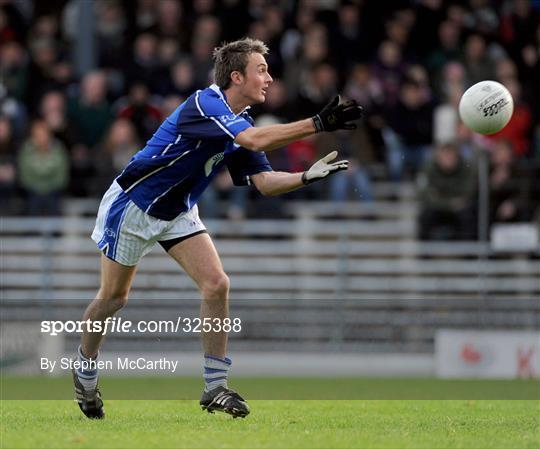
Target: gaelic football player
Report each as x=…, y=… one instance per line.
x=155, y=197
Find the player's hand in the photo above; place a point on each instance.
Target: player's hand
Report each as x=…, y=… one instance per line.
x=323, y=168
x=336, y=116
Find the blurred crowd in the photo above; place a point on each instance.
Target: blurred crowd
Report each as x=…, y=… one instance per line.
x=67, y=134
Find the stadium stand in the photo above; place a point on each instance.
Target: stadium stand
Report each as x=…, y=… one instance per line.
x=353, y=278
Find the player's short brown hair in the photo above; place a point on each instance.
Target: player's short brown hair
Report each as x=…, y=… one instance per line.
x=233, y=56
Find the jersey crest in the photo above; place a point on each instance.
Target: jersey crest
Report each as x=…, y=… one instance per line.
x=212, y=162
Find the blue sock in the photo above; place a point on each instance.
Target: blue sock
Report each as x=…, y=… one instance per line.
x=88, y=375
x=215, y=372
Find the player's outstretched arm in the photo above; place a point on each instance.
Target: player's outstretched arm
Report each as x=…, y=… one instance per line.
x=270, y=137
x=333, y=116
x=275, y=183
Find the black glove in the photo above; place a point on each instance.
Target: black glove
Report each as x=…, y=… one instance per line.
x=337, y=116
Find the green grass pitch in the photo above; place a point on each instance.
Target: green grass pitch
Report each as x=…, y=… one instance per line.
x=276, y=423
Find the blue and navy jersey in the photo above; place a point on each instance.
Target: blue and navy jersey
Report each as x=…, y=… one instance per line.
x=169, y=174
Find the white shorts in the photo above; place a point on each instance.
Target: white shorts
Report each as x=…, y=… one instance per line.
x=125, y=233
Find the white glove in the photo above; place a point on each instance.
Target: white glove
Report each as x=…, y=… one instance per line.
x=321, y=169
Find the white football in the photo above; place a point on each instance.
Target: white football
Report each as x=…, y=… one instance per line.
x=486, y=107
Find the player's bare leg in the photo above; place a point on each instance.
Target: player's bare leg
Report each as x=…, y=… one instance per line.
x=200, y=260
x=116, y=282
x=113, y=293
x=198, y=257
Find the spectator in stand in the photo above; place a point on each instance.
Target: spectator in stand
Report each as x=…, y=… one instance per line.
x=293, y=38
x=314, y=52
x=91, y=115
x=505, y=70
x=448, y=49
x=298, y=156
x=320, y=84
x=446, y=187
x=53, y=110
x=456, y=13
x=530, y=70
x=50, y=53
x=419, y=75
x=90, y=110
x=8, y=184
x=273, y=20
x=43, y=170
x=446, y=117
x=140, y=110
x=44, y=56
x=361, y=146
x=259, y=30
x=508, y=186
x=519, y=22
x=119, y=145
x=519, y=129
x=389, y=68
x=478, y=65
x=453, y=80
x=208, y=28
x=50, y=69
x=182, y=78
x=205, y=9
x=45, y=27
x=170, y=21
x=168, y=52
x=482, y=18
x=398, y=30
x=529, y=65
x=202, y=7
x=12, y=23
x=363, y=87
x=146, y=15
x=429, y=15
x=409, y=133
x=356, y=182
x=346, y=37
x=202, y=61
x=15, y=110
x=14, y=69
x=536, y=146
x=235, y=19
x=111, y=26
x=205, y=38
x=170, y=103
x=405, y=15
x=144, y=66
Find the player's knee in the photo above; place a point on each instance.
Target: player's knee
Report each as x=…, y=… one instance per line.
x=120, y=302
x=116, y=298
x=216, y=286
